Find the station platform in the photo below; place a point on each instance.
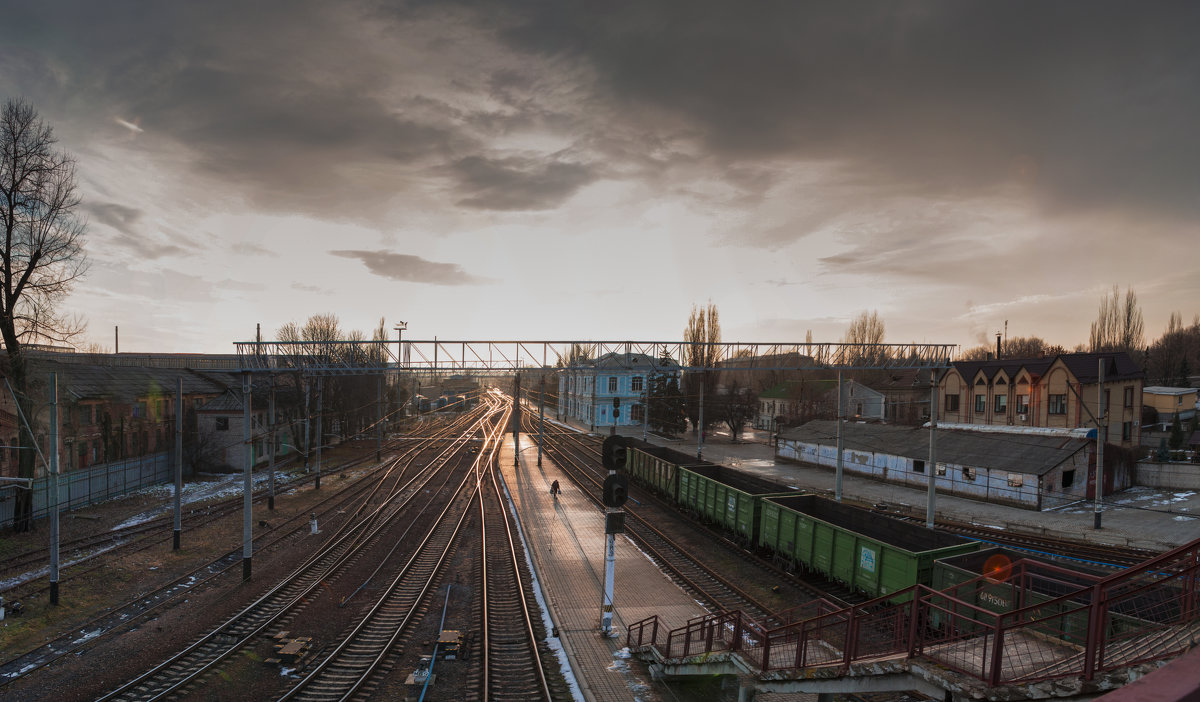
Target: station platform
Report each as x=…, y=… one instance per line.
x=565, y=538
x=1158, y=520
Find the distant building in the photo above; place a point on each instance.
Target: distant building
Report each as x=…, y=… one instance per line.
x=906, y=395
x=1170, y=403
x=1059, y=392
x=1037, y=470
x=587, y=389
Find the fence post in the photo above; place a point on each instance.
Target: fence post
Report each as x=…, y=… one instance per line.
x=1093, y=645
x=918, y=607
x=997, y=662
x=848, y=645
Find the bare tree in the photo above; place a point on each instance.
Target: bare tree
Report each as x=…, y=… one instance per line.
x=1020, y=347
x=736, y=408
x=1118, y=327
x=41, y=257
x=703, y=338
x=866, y=329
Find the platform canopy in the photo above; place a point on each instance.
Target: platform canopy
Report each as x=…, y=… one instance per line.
x=367, y=357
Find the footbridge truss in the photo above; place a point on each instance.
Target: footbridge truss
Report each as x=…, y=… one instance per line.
x=359, y=357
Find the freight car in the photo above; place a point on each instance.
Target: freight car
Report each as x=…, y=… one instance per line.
x=1049, y=590
x=711, y=492
x=865, y=550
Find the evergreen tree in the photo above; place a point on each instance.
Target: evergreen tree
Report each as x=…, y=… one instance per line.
x=1176, y=439
x=667, y=414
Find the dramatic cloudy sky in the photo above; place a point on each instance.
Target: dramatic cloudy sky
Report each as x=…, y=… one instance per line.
x=589, y=170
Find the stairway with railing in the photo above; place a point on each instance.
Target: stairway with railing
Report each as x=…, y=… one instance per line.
x=1012, y=631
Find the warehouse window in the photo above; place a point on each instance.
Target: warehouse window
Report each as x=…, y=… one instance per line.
x=1001, y=403
x=941, y=470
x=636, y=383
x=1068, y=478
x=951, y=403
x=980, y=402
x=1057, y=404
x=968, y=473
x=612, y=384
x=222, y=423
x=1015, y=480
x=918, y=466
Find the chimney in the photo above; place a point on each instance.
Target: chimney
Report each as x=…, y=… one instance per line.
x=997, y=346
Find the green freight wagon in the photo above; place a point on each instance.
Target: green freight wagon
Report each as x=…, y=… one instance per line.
x=868, y=551
x=1048, y=580
x=653, y=466
x=724, y=496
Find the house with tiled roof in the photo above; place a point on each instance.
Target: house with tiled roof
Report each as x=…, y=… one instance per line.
x=1059, y=392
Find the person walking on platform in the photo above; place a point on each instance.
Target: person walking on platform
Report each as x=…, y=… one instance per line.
x=554, y=489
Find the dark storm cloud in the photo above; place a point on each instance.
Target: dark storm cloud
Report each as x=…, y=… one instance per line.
x=515, y=183
x=412, y=269
x=130, y=234
x=113, y=214
x=338, y=110
x=1089, y=103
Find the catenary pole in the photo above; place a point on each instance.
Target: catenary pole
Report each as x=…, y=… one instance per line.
x=700, y=427
x=541, y=416
x=841, y=421
x=53, y=489
x=931, y=486
x=247, y=480
x=178, y=530
x=1101, y=438
x=379, y=419
x=320, y=427
x=271, y=451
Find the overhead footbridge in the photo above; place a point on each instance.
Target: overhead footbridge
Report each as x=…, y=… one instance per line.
x=1030, y=631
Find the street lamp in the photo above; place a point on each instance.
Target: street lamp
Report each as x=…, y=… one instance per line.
x=400, y=327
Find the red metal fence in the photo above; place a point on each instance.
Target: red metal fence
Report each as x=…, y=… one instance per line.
x=1040, y=622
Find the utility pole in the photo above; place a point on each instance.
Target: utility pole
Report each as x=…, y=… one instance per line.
x=379, y=419
x=700, y=426
x=178, y=531
x=516, y=419
x=1101, y=437
x=320, y=427
x=307, y=422
x=841, y=421
x=53, y=479
x=247, y=480
x=541, y=417
x=931, y=487
x=271, y=463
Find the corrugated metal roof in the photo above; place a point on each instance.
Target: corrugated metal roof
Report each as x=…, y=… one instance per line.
x=126, y=384
x=1033, y=455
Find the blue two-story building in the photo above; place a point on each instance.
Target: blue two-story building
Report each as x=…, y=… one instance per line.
x=587, y=389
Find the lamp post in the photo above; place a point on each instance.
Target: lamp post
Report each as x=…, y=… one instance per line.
x=400, y=327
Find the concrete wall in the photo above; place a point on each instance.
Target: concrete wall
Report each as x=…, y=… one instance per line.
x=1169, y=476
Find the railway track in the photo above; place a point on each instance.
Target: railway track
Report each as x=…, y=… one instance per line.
x=1086, y=551
x=365, y=653
x=578, y=456
x=516, y=666
x=284, y=600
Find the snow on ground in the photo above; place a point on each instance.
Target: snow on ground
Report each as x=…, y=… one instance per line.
x=212, y=486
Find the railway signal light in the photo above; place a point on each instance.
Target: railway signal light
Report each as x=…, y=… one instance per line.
x=613, y=454
x=616, y=490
